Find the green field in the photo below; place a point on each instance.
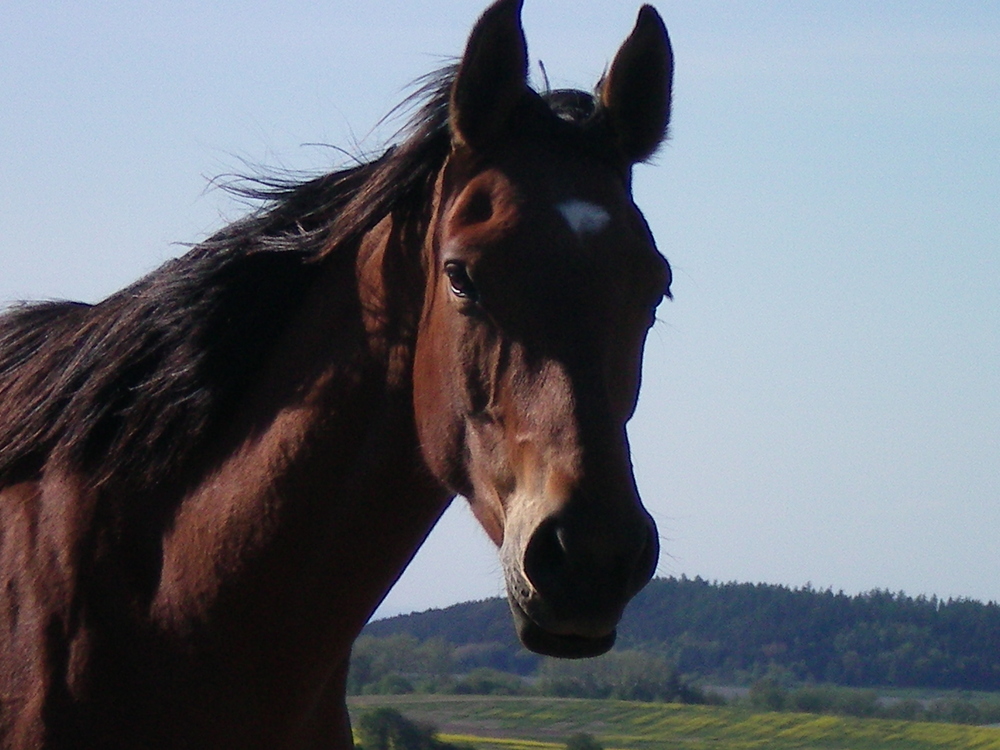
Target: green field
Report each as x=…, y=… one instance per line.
x=499, y=723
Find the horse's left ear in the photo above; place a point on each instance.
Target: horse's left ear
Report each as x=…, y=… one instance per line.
x=492, y=77
x=636, y=91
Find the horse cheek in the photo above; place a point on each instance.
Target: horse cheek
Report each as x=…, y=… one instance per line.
x=440, y=424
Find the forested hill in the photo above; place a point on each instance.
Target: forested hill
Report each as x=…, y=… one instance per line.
x=744, y=630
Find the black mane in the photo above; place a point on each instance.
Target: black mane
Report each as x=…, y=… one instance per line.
x=125, y=390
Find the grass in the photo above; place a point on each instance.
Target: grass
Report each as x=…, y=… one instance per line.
x=498, y=723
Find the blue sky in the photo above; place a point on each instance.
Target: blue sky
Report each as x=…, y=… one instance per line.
x=822, y=399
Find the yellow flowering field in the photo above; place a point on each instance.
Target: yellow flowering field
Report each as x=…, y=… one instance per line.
x=500, y=723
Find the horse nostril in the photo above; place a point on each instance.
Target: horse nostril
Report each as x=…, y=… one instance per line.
x=560, y=563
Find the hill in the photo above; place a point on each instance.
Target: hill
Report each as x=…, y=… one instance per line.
x=743, y=631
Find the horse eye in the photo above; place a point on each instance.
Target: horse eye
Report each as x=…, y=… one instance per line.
x=461, y=284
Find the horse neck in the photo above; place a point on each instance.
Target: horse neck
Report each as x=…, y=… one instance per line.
x=322, y=471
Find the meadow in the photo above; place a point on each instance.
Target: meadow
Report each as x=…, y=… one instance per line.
x=505, y=723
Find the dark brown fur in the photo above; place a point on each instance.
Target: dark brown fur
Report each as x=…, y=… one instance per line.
x=209, y=480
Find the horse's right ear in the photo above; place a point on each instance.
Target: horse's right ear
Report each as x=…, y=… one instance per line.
x=636, y=92
x=492, y=77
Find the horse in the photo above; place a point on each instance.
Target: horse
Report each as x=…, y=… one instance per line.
x=210, y=479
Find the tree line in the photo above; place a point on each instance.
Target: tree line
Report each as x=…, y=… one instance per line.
x=771, y=695
x=875, y=639
x=400, y=664
x=738, y=632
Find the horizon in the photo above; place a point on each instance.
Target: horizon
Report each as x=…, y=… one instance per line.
x=807, y=588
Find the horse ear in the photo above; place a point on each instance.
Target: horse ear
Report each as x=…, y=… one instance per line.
x=636, y=91
x=492, y=76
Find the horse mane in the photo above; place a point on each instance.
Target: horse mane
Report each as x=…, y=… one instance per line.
x=125, y=390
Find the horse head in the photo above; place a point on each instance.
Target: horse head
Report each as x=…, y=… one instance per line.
x=542, y=282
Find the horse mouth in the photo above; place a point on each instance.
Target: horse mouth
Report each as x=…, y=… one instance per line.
x=536, y=638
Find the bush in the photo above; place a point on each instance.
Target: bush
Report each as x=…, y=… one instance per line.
x=583, y=741
x=485, y=681
x=859, y=703
x=388, y=729
x=812, y=700
x=390, y=684
x=622, y=675
x=767, y=694
x=906, y=710
x=956, y=711
x=375, y=659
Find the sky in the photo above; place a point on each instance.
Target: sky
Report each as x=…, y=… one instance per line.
x=821, y=400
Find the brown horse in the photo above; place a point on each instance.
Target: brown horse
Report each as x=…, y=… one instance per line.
x=209, y=480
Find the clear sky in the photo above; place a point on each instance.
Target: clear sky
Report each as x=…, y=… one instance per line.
x=822, y=399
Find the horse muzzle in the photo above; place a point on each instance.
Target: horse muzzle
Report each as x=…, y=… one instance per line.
x=567, y=586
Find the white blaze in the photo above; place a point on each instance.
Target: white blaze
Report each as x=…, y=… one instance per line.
x=583, y=217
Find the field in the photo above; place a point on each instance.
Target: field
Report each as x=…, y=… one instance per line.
x=498, y=723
